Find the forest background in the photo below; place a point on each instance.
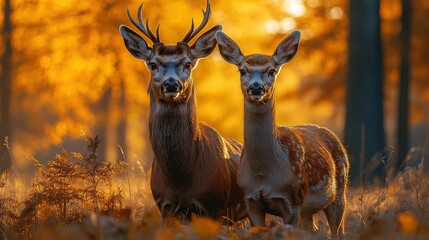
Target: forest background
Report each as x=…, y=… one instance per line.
x=361, y=70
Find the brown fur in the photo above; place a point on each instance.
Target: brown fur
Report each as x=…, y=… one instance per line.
x=257, y=60
x=291, y=172
x=169, y=50
x=194, y=169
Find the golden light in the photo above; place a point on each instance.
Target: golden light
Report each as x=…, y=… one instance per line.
x=287, y=24
x=313, y=3
x=294, y=8
x=335, y=13
x=284, y=26
x=45, y=61
x=272, y=26
x=390, y=10
x=306, y=33
x=81, y=66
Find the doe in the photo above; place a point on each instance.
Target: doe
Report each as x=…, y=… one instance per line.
x=289, y=171
x=194, y=169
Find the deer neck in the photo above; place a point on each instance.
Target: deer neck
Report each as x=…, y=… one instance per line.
x=260, y=138
x=174, y=134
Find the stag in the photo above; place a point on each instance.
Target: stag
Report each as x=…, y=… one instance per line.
x=194, y=170
x=289, y=171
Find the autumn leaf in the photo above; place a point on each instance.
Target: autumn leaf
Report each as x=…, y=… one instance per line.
x=164, y=234
x=258, y=229
x=408, y=223
x=205, y=228
x=391, y=189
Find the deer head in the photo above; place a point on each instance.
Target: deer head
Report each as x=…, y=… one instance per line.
x=257, y=71
x=170, y=65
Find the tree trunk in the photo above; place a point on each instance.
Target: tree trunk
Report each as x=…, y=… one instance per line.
x=115, y=122
x=122, y=125
x=403, y=110
x=6, y=79
x=101, y=108
x=365, y=88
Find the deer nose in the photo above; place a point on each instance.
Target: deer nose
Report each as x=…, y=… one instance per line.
x=171, y=85
x=256, y=89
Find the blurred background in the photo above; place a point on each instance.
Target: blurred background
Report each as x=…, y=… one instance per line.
x=362, y=70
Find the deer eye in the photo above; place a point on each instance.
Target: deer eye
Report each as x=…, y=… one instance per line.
x=242, y=72
x=188, y=65
x=272, y=72
x=152, y=66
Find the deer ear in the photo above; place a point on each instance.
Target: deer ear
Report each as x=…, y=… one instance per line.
x=205, y=44
x=287, y=48
x=135, y=44
x=229, y=49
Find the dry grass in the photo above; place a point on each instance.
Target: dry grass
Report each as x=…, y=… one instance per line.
x=396, y=211
x=77, y=196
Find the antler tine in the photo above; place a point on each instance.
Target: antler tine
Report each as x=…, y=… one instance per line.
x=140, y=14
x=145, y=30
x=157, y=33
x=135, y=23
x=191, y=34
x=150, y=32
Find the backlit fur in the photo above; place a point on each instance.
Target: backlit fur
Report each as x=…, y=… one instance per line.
x=194, y=170
x=289, y=171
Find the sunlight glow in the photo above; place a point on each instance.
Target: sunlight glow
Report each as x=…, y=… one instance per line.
x=335, y=13
x=272, y=26
x=313, y=3
x=284, y=26
x=307, y=34
x=390, y=10
x=295, y=8
x=287, y=24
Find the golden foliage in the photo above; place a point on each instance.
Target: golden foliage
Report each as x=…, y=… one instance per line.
x=75, y=179
x=72, y=71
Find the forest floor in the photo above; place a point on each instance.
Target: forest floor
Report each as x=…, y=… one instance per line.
x=398, y=211
x=61, y=206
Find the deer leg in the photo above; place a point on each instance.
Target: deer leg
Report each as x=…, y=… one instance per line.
x=293, y=218
x=256, y=212
x=166, y=210
x=287, y=210
x=308, y=223
x=335, y=215
x=198, y=209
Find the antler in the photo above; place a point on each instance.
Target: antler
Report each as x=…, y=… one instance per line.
x=191, y=34
x=145, y=30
